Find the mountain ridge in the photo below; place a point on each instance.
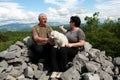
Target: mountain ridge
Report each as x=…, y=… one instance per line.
x=23, y=26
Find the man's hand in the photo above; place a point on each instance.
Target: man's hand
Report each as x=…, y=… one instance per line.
x=51, y=41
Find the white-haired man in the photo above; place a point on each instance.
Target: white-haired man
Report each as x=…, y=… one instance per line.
x=42, y=44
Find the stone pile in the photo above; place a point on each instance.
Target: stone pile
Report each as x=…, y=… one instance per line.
x=91, y=64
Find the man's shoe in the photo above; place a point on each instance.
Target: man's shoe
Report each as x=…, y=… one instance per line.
x=59, y=75
x=54, y=74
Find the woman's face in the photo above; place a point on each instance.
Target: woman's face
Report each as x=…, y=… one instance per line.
x=72, y=24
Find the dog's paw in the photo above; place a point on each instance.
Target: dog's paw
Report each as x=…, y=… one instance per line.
x=63, y=45
x=55, y=46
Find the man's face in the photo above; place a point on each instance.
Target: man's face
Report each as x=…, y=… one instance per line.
x=43, y=20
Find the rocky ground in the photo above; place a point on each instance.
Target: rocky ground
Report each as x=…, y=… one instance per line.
x=91, y=64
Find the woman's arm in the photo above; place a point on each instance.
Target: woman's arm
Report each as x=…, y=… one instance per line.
x=77, y=44
x=63, y=29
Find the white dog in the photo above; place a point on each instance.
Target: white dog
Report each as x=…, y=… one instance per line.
x=59, y=39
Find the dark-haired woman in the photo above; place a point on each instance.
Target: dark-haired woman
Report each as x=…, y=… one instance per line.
x=76, y=38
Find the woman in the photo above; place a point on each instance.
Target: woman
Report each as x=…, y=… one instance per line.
x=76, y=38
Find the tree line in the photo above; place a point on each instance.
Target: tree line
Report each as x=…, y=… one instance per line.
x=104, y=36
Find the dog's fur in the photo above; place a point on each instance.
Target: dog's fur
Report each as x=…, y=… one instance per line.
x=59, y=39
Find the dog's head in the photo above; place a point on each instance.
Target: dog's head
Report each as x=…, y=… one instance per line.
x=54, y=34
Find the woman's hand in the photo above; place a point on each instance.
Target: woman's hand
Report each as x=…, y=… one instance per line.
x=61, y=27
x=69, y=45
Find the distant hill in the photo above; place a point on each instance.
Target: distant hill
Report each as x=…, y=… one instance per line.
x=23, y=27
x=16, y=27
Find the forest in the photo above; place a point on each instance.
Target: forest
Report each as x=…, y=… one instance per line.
x=104, y=36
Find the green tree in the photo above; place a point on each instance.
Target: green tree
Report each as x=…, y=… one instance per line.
x=104, y=36
x=92, y=23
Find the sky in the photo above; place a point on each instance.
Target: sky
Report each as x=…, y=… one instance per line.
x=27, y=11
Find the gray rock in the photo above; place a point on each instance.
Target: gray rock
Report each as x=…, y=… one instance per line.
x=21, y=77
x=87, y=46
x=10, y=55
x=28, y=72
x=108, y=70
x=106, y=63
x=44, y=76
x=91, y=67
x=15, y=73
x=3, y=76
x=77, y=66
x=109, y=58
x=18, y=53
x=38, y=74
x=71, y=74
x=25, y=52
x=91, y=76
x=34, y=67
x=116, y=61
x=9, y=77
x=82, y=59
x=100, y=57
x=54, y=79
x=20, y=44
x=15, y=64
x=13, y=48
x=40, y=66
x=24, y=65
x=28, y=41
x=9, y=68
x=15, y=60
x=116, y=70
x=2, y=54
x=1, y=69
x=118, y=77
x=105, y=76
x=4, y=64
x=93, y=53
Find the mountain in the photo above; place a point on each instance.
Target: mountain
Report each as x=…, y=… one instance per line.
x=16, y=27
x=23, y=26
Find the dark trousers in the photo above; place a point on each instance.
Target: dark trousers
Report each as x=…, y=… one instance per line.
x=67, y=55
x=55, y=59
x=60, y=57
x=41, y=52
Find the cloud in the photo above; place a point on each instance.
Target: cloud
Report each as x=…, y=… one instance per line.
x=12, y=12
x=66, y=8
x=65, y=3
x=109, y=9
x=63, y=15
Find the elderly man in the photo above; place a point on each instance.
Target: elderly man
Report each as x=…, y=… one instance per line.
x=42, y=44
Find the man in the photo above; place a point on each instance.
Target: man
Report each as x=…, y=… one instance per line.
x=42, y=44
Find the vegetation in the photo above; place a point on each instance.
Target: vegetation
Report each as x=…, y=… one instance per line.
x=105, y=36
x=10, y=37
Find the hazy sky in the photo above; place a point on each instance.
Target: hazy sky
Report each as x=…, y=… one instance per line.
x=25, y=11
